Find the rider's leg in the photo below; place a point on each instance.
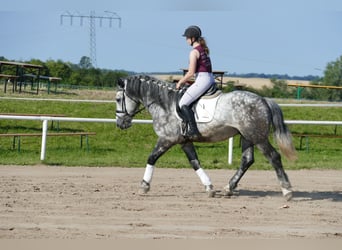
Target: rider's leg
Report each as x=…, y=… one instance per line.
x=200, y=86
x=189, y=118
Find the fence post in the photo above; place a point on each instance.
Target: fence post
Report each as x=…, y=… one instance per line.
x=230, y=151
x=44, y=132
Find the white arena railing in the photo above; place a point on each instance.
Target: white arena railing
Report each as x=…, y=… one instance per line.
x=45, y=120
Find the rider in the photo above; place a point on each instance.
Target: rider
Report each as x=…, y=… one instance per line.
x=199, y=64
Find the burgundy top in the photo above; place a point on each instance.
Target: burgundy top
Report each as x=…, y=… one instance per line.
x=203, y=62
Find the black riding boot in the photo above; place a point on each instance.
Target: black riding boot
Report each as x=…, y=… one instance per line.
x=189, y=118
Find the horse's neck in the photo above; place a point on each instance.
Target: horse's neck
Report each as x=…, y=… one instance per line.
x=158, y=96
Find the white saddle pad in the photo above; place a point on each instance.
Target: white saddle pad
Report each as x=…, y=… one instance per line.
x=204, y=109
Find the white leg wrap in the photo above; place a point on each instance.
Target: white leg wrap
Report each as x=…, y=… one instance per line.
x=148, y=173
x=203, y=177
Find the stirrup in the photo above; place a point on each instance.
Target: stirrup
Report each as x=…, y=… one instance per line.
x=192, y=131
x=185, y=132
x=184, y=128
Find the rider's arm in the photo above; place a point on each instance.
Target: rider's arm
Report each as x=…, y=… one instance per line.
x=194, y=54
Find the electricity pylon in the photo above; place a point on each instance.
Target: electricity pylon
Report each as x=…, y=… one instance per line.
x=92, y=17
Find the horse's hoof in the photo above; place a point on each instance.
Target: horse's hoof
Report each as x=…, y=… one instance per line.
x=144, y=187
x=227, y=192
x=210, y=191
x=287, y=193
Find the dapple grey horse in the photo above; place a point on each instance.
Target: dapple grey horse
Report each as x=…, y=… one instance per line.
x=237, y=112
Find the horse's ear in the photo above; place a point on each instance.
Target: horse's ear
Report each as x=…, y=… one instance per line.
x=121, y=82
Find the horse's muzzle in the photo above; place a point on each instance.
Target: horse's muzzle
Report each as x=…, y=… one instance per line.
x=123, y=122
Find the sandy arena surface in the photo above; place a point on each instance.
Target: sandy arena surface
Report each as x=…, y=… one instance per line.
x=40, y=202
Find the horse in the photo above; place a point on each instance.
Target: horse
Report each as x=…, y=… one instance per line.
x=237, y=112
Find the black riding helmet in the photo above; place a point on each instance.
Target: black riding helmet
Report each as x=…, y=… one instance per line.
x=193, y=31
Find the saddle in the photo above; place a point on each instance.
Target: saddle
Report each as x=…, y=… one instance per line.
x=204, y=107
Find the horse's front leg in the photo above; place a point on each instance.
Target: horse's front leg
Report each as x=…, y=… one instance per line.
x=190, y=152
x=161, y=147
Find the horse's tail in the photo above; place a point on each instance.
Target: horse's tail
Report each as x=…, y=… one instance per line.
x=282, y=134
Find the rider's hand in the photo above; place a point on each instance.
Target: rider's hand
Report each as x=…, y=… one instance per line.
x=179, y=85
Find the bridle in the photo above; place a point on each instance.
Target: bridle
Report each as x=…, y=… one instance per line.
x=123, y=105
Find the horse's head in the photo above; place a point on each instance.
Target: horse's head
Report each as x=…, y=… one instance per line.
x=126, y=107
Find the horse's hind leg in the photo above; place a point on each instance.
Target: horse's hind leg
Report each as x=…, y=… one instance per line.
x=191, y=154
x=275, y=159
x=247, y=159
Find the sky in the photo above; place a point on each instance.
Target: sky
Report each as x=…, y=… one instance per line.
x=294, y=37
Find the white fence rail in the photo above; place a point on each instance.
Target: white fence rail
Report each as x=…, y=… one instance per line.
x=45, y=120
x=306, y=122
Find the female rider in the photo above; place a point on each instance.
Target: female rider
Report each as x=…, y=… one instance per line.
x=199, y=65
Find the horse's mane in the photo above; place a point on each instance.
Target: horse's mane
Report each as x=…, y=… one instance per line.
x=156, y=90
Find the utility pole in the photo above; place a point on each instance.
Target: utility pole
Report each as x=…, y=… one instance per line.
x=109, y=17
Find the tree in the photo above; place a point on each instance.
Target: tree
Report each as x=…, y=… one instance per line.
x=85, y=63
x=333, y=76
x=333, y=73
x=44, y=70
x=59, y=69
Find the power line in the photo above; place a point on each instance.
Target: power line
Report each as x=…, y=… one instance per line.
x=109, y=17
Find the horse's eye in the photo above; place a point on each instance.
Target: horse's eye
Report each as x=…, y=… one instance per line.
x=118, y=99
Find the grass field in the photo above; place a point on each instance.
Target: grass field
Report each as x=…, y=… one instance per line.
x=130, y=148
